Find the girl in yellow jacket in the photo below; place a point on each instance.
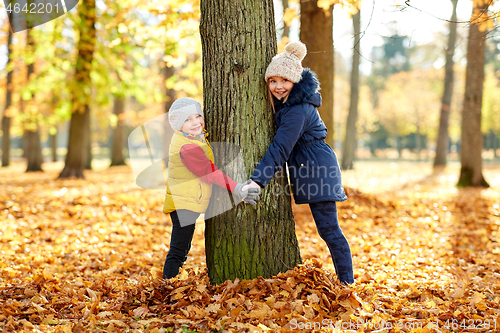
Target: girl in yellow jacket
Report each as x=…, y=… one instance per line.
x=191, y=173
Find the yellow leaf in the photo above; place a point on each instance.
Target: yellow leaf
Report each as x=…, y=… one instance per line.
x=47, y=275
x=263, y=327
x=284, y=293
x=289, y=15
x=260, y=312
x=236, y=312
x=430, y=304
x=313, y=298
x=325, y=4
x=481, y=306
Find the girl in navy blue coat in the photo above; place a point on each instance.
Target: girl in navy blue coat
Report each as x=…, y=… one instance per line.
x=300, y=142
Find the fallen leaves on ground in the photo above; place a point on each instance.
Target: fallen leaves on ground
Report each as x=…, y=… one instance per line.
x=87, y=255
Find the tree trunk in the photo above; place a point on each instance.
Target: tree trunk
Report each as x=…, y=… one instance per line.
x=472, y=138
x=33, y=142
x=8, y=103
x=491, y=141
x=399, y=146
x=316, y=31
x=170, y=93
x=494, y=143
x=81, y=88
x=286, y=28
x=348, y=153
x=238, y=42
x=34, y=152
x=53, y=145
x=118, y=133
x=418, y=139
x=88, y=154
x=443, y=135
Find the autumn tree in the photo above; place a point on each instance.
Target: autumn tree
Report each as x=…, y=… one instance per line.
x=316, y=31
x=8, y=102
x=443, y=135
x=81, y=89
x=238, y=42
x=403, y=113
x=491, y=111
x=472, y=138
x=349, y=147
x=32, y=128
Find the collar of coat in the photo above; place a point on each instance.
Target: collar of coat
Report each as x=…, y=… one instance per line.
x=306, y=90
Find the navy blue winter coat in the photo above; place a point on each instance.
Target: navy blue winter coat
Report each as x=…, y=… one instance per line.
x=300, y=141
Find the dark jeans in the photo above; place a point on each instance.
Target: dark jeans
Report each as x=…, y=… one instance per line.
x=180, y=241
x=327, y=223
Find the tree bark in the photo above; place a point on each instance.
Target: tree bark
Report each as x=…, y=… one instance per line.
x=118, y=133
x=418, y=139
x=34, y=151
x=88, y=147
x=399, y=146
x=443, y=135
x=53, y=145
x=8, y=103
x=316, y=31
x=348, y=153
x=286, y=28
x=472, y=138
x=238, y=42
x=494, y=143
x=33, y=142
x=169, y=71
x=81, y=93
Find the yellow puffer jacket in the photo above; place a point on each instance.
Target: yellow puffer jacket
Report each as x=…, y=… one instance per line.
x=185, y=190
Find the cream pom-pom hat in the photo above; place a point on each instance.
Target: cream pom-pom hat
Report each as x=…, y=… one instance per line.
x=288, y=64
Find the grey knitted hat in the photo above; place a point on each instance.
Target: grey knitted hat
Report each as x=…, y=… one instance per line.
x=288, y=64
x=181, y=109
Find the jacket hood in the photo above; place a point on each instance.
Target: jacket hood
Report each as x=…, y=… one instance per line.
x=306, y=90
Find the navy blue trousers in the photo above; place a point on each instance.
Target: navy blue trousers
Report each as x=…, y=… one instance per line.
x=327, y=223
x=180, y=241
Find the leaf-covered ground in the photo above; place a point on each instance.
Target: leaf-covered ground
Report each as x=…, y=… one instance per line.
x=86, y=255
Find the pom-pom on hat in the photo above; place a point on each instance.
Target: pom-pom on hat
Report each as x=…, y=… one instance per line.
x=181, y=109
x=288, y=64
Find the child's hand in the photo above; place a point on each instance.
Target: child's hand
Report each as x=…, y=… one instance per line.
x=252, y=185
x=250, y=194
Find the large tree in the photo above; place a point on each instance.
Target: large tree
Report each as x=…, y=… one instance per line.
x=316, y=31
x=32, y=129
x=81, y=93
x=349, y=147
x=443, y=135
x=8, y=102
x=238, y=41
x=118, y=132
x=472, y=138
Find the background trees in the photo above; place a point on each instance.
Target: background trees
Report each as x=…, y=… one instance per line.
x=147, y=54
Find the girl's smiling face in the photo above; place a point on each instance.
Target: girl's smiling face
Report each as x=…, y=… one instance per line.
x=279, y=86
x=194, y=124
